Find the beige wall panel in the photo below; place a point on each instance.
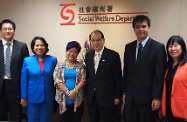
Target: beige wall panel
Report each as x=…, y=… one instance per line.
x=42, y=17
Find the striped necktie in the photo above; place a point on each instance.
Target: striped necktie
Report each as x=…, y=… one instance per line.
x=7, y=61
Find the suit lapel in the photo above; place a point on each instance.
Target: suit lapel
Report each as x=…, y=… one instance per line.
x=102, y=60
x=14, y=49
x=46, y=61
x=91, y=62
x=38, y=64
x=1, y=53
x=134, y=52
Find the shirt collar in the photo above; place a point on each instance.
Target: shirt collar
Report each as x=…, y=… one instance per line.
x=4, y=42
x=100, y=52
x=143, y=42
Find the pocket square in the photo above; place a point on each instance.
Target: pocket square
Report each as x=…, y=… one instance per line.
x=103, y=60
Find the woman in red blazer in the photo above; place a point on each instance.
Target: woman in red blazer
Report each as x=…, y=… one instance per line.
x=174, y=99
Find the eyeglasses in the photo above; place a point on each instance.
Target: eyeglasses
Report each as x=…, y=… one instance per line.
x=96, y=41
x=7, y=29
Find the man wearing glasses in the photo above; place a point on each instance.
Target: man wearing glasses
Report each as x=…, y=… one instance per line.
x=104, y=78
x=12, y=53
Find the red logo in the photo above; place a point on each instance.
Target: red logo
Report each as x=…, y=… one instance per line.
x=68, y=18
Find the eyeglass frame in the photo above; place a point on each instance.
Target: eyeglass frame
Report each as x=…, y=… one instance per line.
x=96, y=41
x=7, y=29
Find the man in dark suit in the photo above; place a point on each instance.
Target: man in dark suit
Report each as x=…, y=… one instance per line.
x=144, y=68
x=10, y=72
x=104, y=79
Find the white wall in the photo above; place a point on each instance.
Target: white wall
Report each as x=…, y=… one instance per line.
x=42, y=17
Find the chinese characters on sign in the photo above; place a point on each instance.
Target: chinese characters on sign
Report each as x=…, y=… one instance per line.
x=96, y=15
x=90, y=9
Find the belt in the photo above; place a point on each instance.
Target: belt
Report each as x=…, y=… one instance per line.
x=7, y=79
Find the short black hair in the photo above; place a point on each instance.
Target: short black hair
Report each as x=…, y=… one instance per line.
x=141, y=18
x=73, y=44
x=8, y=21
x=40, y=38
x=183, y=57
x=97, y=31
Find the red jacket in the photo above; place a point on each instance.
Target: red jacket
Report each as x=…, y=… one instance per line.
x=178, y=94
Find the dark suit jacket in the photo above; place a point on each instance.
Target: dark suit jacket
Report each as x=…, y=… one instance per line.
x=144, y=80
x=19, y=52
x=107, y=81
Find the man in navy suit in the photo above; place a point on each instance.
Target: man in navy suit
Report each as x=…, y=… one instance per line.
x=10, y=84
x=104, y=79
x=144, y=69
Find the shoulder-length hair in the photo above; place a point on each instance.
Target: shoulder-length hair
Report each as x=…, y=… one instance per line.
x=183, y=57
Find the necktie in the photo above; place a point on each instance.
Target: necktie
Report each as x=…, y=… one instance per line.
x=97, y=58
x=7, y=61
x=140, y=49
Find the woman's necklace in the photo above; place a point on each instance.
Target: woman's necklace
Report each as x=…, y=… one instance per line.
x=174, y=64
x=70, y=66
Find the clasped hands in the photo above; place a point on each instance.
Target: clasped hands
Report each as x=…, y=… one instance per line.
x=71, y=94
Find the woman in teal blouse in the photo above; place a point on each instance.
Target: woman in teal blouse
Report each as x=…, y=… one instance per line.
x=69, y=77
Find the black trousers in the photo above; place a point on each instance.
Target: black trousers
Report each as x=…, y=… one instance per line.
x=101, y=114
x=70, y=115
x=140, y=113
x=10, y=108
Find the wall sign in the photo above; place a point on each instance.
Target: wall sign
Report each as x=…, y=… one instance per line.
x=103, y=14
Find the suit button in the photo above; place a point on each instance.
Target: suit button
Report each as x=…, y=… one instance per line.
x=171, y=95
x=94, y=89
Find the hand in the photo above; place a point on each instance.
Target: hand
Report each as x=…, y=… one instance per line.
x=72, y=94
x=186, y=119
x=23, y=102
x=155, y=104
x=123, y=99
x=116, y=101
